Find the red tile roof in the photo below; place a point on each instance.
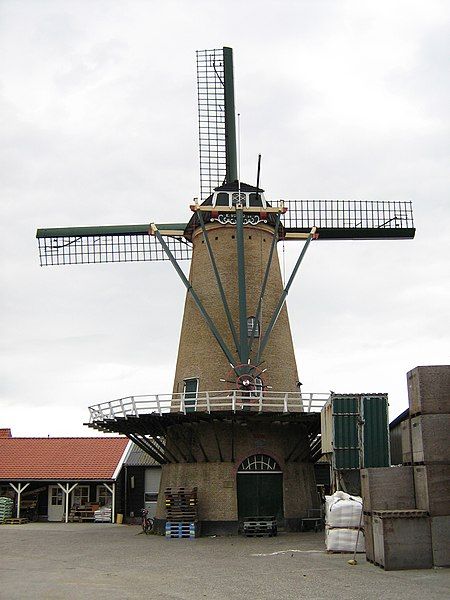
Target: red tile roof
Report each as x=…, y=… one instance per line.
x=60, y=458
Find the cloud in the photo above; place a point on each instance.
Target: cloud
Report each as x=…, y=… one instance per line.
x=98, y=105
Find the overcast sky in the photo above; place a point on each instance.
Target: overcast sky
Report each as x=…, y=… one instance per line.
x=343, y=99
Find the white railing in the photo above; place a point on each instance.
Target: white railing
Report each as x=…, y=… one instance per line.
x=229, y=400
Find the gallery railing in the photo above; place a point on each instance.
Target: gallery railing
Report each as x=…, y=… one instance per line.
x=229, y=400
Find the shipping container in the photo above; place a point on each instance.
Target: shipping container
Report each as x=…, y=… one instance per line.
x=355, y=430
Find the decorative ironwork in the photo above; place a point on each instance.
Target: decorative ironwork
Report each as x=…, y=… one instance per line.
x=258, y=463
x=83, y=249
x=348, y=215
x=211, y=119
x=230, y=218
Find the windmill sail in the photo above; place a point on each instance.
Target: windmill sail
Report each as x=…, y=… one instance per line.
x=121, y=243
x=349, y=219
x=216, y=119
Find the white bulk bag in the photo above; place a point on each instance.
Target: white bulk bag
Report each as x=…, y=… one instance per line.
x=343, y=510
x=344, y=540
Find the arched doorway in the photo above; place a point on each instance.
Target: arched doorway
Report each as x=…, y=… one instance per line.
x=260, y=487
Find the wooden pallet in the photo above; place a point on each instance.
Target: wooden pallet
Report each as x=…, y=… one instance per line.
x=181, y=530
x=260, y=528
x=15, y=521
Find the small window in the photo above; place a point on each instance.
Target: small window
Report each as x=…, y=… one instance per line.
x=151, y=497
x=255, y=199
x=56, y=496
x=259, y=463
x=252, y=322
x=80, y=495
x=190, y=394
x=222, y=199
x=103, y=495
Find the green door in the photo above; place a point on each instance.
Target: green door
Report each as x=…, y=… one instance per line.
x=259, y=488
x=190, y=394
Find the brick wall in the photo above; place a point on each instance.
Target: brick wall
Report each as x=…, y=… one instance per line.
x=199, y=355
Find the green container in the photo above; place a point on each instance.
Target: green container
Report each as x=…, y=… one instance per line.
x=359, y=430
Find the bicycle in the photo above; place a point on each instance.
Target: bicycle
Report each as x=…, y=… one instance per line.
x=146, y=522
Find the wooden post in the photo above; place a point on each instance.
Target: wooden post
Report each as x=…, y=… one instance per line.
x=112, y=489
x=19, y=489
x=67, y=491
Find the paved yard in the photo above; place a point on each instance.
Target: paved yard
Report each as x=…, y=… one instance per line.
x=101, y=561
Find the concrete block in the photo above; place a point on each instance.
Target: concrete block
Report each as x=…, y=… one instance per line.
x=405, y=427
x=429, y=390
x=368, y=533
x=402, y=543
x=430, y=438
x=387, y=488
x=432, y=488
x=440, y=541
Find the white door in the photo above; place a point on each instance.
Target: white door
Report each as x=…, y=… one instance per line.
x=152, y=479
x=55, y=503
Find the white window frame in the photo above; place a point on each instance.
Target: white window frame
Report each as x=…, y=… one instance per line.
x=56, y=496
x=107, y=495
x=77, y=492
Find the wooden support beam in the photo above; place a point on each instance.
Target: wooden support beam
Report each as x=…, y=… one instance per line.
x=199, y=441
x=306, y=451
x=153, y=439
x=299, y=444
x=255, y=210
x=163, y=432
x=213, y=422
x=295, y=236
x=178, y=431
x=143, y=446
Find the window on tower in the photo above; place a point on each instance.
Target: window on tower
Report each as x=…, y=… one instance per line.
x=222, y=199
x=252, y=322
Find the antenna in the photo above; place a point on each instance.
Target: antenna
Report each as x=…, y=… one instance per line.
x=239, y=157
x=258, y=171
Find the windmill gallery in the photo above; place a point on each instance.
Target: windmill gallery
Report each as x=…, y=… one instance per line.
x=236, y=425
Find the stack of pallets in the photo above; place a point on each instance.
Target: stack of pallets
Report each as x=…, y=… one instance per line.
x=260, y=526
x=102, y=515
x=6, y=508
x=181, y=509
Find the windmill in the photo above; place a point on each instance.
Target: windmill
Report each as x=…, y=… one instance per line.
x=235, y=335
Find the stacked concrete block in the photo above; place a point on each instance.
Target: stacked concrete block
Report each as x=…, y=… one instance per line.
x=426, y=446
x=407, y=509
x=384, y=489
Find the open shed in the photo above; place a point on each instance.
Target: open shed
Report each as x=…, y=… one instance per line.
x=61, y=479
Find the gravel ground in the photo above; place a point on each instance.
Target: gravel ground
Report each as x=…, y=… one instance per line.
x=58, y=561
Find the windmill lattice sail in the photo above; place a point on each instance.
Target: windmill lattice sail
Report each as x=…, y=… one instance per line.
x=349, y=219
x=106, y=244
x=211, y=119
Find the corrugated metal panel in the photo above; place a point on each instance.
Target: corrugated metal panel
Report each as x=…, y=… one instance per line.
x=138, y=458
x=345, y=431
x=355, y=425
x=376, y=438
